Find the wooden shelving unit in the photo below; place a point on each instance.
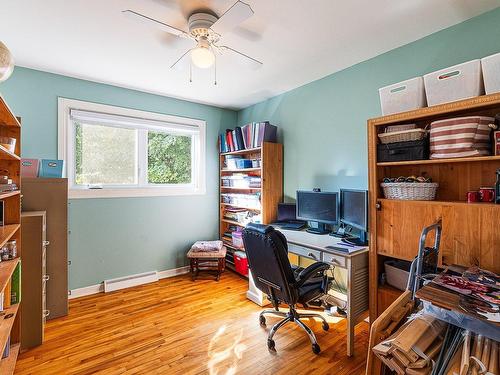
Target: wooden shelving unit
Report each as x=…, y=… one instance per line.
x=10, y=162
x=271, y=190
x=470, y=231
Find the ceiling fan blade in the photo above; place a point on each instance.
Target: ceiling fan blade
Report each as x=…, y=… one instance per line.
x=235, y=15
x=179, y=64
x=245, y=59
x=150, y=21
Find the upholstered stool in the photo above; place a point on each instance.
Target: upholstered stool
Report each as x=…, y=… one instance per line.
x=207, y=261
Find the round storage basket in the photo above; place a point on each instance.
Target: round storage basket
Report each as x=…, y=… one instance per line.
x=412, y=191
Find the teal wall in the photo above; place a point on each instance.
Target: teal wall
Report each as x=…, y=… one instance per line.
x=119, y=236
x=323, y=124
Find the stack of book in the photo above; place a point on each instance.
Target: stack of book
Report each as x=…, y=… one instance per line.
x=251, y=201
x=241, y=180
x=247, y=137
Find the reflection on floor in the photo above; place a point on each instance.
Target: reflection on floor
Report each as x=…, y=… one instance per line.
x=177, y=326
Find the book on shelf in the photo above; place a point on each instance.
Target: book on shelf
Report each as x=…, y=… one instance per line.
x=496, y=143
x=247, y=137
x=6, y=351
x=15, y=292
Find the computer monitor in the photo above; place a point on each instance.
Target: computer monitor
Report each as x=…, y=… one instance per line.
x=317, y=206
x=354, y=210
x=287, y=211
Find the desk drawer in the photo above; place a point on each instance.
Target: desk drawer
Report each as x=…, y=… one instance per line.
x=335, y=260
x=304, y=251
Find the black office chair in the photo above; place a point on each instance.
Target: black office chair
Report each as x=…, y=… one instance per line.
x=267, y=254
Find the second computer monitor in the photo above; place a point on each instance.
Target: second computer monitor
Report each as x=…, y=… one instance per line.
x=354, y=208
x=320, y=207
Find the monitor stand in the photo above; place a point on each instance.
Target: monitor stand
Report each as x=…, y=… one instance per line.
x=359, y=241
x=341, y=232
x=321, y=229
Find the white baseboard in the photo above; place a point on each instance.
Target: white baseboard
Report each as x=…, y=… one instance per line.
x=86, y=291
x=99, y=288
x=173, y=272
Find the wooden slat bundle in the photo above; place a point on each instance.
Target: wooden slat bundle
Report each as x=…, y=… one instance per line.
x=411, y=349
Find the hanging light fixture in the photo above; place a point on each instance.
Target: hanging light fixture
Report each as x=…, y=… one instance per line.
x=202, y=56
x=6, y=63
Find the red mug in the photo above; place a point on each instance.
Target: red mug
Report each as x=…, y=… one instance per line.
x=473, y=196
x=487, y=194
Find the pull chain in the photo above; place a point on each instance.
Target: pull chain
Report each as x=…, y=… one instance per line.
x=190, y=72
x=215, y=71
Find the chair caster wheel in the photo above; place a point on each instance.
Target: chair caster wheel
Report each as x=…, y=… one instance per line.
x=262, y=321
x=316, y=349
x=326, y=327
x=271, y=345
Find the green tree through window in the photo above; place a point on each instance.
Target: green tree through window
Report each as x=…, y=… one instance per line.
x=169, y=158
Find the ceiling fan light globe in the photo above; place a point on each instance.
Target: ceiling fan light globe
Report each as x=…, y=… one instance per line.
x=6, y=63
x=202, y=57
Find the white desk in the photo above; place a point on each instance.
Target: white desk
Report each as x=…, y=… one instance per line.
x=314, y=246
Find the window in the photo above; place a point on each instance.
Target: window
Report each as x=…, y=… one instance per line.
x=117, y=152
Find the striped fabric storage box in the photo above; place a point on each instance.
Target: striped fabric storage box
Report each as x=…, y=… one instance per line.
x=460, y=137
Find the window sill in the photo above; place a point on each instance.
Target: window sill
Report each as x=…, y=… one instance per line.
x=132, y=192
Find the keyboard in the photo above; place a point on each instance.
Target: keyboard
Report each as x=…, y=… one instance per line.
x=292, y=225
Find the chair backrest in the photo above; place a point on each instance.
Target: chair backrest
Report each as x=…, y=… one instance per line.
x=267, y=255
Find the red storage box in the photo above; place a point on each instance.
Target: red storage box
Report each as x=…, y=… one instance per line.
x=241, y=263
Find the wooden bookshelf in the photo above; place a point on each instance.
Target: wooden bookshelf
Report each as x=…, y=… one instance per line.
x=6, y=324
x=8, y=364
x=240, y=152
x=8, y=194
x=10, y=162
x=271, y=190
x=470, y=231
x=7, y=117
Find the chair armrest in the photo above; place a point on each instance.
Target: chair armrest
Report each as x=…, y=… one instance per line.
x=310, y=271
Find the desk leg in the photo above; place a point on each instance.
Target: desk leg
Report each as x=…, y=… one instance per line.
x=350, y=320
x=350, y=336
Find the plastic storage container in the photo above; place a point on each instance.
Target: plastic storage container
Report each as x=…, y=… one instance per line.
x=397, y=273
x=237, y=239
x=491, y=73
x=243, y=163
x=454, y=83
x=403, y=96
x=241, y=263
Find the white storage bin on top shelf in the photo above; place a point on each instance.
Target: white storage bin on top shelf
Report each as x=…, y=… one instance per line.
x=491, y=73
x=454, y=83
x=403, y=96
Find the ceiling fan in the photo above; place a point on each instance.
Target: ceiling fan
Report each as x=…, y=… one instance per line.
x=205, y=30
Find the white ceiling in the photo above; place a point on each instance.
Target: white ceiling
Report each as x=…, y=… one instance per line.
x=298, y=41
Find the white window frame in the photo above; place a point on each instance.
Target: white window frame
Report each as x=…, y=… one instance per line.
x=66, y=152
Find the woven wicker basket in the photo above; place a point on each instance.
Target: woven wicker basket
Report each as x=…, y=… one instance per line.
x=402, y=136
x=412, y=191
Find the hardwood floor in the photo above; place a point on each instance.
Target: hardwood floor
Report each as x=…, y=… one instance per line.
x=177, y=326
